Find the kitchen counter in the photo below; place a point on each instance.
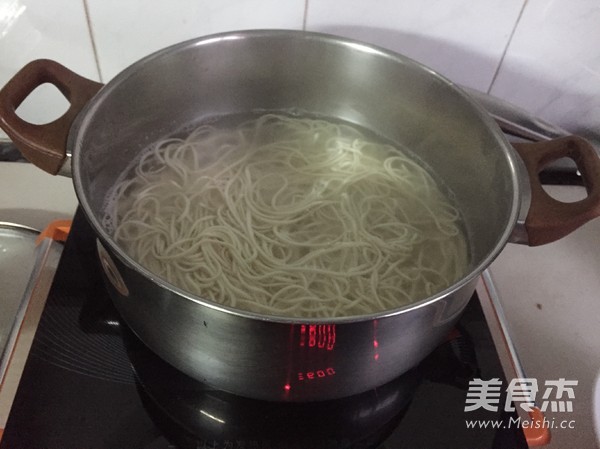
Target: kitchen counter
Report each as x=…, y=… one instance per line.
x=550, y=295
x=33, y=198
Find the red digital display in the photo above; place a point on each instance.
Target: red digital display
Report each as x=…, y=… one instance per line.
x=320, y=373
x=321, y=336
x=312, y=335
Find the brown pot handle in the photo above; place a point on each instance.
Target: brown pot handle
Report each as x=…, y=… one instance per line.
x=44, y=145
x=549, y=219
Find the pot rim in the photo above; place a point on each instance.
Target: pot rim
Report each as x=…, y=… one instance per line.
x=83, y=119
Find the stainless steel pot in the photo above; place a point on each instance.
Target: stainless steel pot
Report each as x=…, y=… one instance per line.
x=280, y=358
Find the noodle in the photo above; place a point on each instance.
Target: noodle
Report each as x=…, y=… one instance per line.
x=289, y=217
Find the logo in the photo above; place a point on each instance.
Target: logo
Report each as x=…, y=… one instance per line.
x=521, y=393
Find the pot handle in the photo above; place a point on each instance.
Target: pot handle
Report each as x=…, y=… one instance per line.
x=549, y=219
x=44, y=145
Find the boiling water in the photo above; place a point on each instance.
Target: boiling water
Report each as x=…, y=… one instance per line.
x=289, y=216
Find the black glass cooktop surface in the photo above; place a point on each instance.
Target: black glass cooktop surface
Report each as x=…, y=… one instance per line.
x=90, y=383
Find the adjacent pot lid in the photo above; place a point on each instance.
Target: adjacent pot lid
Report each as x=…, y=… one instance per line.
x=17, y=259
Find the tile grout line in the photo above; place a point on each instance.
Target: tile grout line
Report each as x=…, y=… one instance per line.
x=91, y=32
x=305, y=18
x=510, y=38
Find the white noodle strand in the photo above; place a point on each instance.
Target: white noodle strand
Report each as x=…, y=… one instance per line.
x=290, y=217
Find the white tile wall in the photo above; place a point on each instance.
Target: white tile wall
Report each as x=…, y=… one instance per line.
x=32, y=29
x=552, y=66
x=462, y=39
x=125, y=31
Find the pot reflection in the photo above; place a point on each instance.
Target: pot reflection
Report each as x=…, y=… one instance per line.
x=193, y=414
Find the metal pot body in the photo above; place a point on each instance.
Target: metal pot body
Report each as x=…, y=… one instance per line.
x=278, y=358
x=274, y=360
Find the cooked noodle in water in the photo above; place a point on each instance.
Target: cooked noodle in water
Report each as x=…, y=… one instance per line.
x=289, y=217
